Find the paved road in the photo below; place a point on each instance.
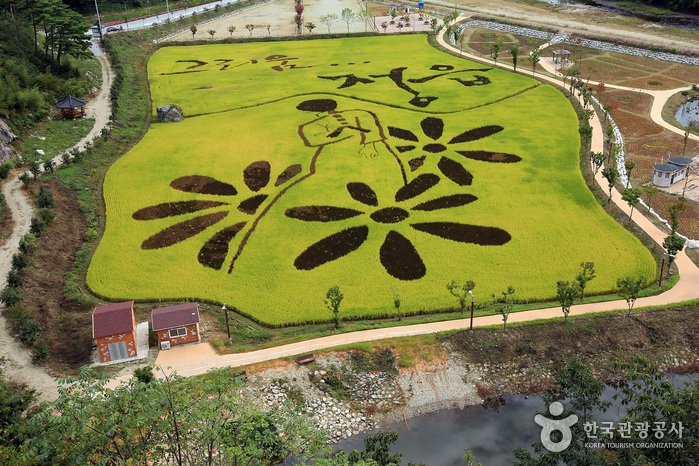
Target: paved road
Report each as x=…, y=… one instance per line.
x=172, y=15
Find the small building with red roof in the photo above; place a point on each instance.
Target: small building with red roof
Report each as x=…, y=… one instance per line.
x=176, y=325
x=114, y=330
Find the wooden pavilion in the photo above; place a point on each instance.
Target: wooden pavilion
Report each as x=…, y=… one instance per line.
x=560, y=56
x=72, y=107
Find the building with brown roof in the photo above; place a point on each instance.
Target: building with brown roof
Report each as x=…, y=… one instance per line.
x=114, y=330
x=176, y=325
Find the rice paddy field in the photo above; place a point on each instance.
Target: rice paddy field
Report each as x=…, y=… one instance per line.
x=380, y=165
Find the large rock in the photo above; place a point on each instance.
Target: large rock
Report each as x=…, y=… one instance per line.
x=6, y=137
x=170, y=114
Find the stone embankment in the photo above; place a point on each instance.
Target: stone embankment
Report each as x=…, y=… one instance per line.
x=344, y=402
x=556, y=38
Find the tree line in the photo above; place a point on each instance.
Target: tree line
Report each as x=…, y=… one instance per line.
x=35, y=38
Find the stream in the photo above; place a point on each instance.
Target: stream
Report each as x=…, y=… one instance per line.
x=440, y=438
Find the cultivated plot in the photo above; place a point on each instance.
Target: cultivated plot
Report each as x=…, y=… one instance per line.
x=379, y=165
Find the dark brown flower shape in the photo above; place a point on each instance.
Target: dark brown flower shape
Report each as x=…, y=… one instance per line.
x=397, y=254
x=433, y=128
x=256, y=176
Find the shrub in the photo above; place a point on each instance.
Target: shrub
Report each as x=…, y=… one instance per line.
x=41, y=351
x=36, y=226
x=14, y=278
x=385, y=360
x=25, y=178
x=29, y=330
x=45, y=198
x=19, y=261
x=11, y=296
x=47, y=216
x=360, y=361
x=26, y=244
x=144, y=374
x=5, y=170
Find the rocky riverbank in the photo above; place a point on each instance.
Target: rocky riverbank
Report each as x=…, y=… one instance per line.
x=348, y=392
x=345, y=402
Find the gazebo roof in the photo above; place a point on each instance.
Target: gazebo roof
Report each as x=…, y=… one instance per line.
x=561, y=52
x=70, y=102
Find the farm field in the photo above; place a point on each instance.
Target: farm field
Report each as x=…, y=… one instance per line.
x=303, y=165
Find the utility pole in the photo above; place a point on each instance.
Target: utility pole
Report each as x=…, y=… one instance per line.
x=99, y=21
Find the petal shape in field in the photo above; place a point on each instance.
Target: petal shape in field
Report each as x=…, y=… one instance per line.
x=432, y=127
x=203, y=185
x=321, y=213
x=332, y=248
x=290, y=172
x=256, y=175
x=390, y=215
x=213, y=253
x=363, y=193
x=487, y=156
x=484, y=236
x=182, y=231
x=476, y=134
x=402, y=149
x=250, y=205
x=172, y=209
x=403, y=134
x=417, y=186
x=446, y=202
x=400, y=259
x=416, y=163
x=455, y=172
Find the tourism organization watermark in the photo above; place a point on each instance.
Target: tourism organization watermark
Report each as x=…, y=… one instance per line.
x=606, y=434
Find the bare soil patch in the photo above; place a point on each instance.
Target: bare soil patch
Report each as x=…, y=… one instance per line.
x=633, y=102
x=67, y=328
x=636, y=126
x=654, y=82
x=688, y=218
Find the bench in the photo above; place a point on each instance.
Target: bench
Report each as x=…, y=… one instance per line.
x=308, y=358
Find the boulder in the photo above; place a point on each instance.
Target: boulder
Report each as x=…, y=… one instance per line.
x=170, y=114
x=6, y=137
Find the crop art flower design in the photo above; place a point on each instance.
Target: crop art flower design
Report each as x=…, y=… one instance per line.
x=433, y=129
x=256, y=178
x=397, y=254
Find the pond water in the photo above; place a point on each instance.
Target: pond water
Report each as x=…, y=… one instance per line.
x=439, y=439
x=688, y=113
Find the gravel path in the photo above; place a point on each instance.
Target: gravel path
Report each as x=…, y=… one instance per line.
x=15, y=358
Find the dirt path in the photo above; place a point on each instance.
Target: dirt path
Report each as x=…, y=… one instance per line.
x=16, y=359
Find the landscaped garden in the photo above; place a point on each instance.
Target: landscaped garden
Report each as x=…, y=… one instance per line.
x=377, y=164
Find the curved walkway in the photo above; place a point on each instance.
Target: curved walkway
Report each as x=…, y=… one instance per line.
x=16, y=359
x=197, y=359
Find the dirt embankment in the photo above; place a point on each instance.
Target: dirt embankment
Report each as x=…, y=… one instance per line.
x=66, y=324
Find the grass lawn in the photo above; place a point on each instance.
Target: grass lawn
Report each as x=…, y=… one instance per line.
x=58, y=135
x=384, y=173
